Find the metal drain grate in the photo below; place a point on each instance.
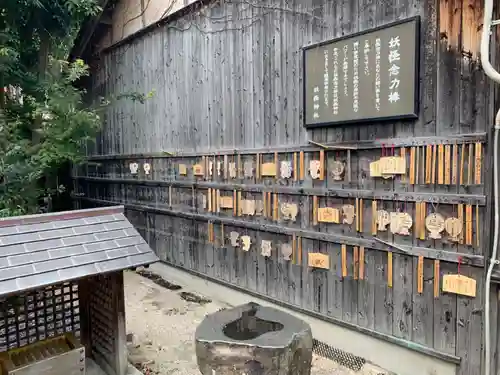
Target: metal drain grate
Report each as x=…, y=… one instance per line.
x=343, y=358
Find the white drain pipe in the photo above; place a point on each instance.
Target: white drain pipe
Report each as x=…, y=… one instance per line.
x=495, y=76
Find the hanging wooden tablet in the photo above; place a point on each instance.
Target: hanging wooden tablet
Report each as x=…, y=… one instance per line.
x=246, y=242
x=182, y=169
x=423, y=214
x=295, y=167
x=258, y=163
x=276, y=163
x=417, y=166
x=435, y=225
x=269, y=205
x=203, y=201
x=462, y=163
x=315, y=169
x=302, y=166
x=356, y=262
x=468, y=224
x=361, y=263
x=235, y=203
x=299, y=250
x=477, y=225
x=264, y=203
x=412, y=166
x=226, y=167
x=453, y=227
x=203, y=165
x=436, y=278
x=478, y=161
x=315, y=210
x=383, y=220
x=209, y=200
x=460, y=216
x=348, y=214
x=389, y=269
x=238, y=166
x=360, y=215
x=238, y=194
x=275, y=207
x=401, y=222
x=248, y=207
x=286, y=169
x=344, y=260
x=265, y=248
x=248, y=169
x=134, y=167
x=286, y=251
x=226, y=202
x=470, y=165
x=259, y=208
x=447, y=164
x=198, y=170
x=268, y=170
x=402, y=153
x=418, y=214
x=374, y=218
x=420, y=275
x=210, y=232
x=147, y=168
x=219, y=168
x=338, y=169
x=234, y=236
x=356, y=215
x=440, y=164
x=214, y=200
x=428, y=164
x=318, y=260
x=289, y=211
x=433, y=166
x=322, y=165
x=328, y=215
x=233, y=171
x=454, y=167
x=459, y=284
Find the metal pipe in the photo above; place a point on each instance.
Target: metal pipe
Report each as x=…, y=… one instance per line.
x=495, y=76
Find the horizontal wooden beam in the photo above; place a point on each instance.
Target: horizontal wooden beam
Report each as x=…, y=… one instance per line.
x=398, y=196
x=370, y=242
x=360, y=145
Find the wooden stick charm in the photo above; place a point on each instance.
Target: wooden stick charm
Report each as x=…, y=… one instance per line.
x=447, y=164
x=433, y=166
x=315, y=210
x=454, y=177
x=417, y=219
x=302, y=165
x=299, y=240
x=477, y=226
x=420, y=275
x=440, y=165
x=322, y=165
x=209, y=196
x=460, y=216
x=356, y=262
x=436, y=278
x=295, y=166
x=389, y=269
x=412, y=166
x=468, y=224
x=402, y=154
x=428, y=164
x=276, y=163
x=235, y=205
x=374, y=217
x=344, y=260
x=478, y=156
x=470, y=164
x=257, y=167
x=462, y=164
x=361, y=263
x=275, y=207
x=423, y=214
x=360, y=213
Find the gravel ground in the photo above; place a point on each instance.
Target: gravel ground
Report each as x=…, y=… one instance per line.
x=161, y=327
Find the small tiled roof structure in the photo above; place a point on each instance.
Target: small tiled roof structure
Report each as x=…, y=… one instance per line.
x=41, y=250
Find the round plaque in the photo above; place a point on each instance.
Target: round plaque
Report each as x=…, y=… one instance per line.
x=435, y=225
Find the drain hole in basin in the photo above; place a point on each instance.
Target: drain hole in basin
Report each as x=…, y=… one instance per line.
x=249, y=327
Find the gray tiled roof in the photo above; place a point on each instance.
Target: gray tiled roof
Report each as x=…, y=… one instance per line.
x=41, y=250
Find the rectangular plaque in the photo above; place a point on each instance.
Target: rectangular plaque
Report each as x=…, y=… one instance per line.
x=318, y=260
x=367, y=76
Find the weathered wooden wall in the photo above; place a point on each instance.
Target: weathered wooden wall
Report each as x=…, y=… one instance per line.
x=228, y=81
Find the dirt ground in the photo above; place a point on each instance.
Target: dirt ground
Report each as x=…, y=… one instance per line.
x=161, y=322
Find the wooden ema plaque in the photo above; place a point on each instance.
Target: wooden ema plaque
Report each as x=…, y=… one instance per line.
x=459, y=284
x=328, y=215
x=226, y=202
x=318, y=260
x=182, y=169
x=198, y=170
x=388, y=166
x=268, y=170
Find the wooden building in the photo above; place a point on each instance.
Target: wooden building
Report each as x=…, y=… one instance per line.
x=218, y=172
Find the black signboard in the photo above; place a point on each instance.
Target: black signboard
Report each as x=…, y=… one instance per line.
x=368, y=76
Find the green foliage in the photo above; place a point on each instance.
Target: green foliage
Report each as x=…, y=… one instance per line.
x=44, y=123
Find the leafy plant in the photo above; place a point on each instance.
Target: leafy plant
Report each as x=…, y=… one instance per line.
x=44, y=122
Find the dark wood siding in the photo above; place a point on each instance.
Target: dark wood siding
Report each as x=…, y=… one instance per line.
x=228, y=82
